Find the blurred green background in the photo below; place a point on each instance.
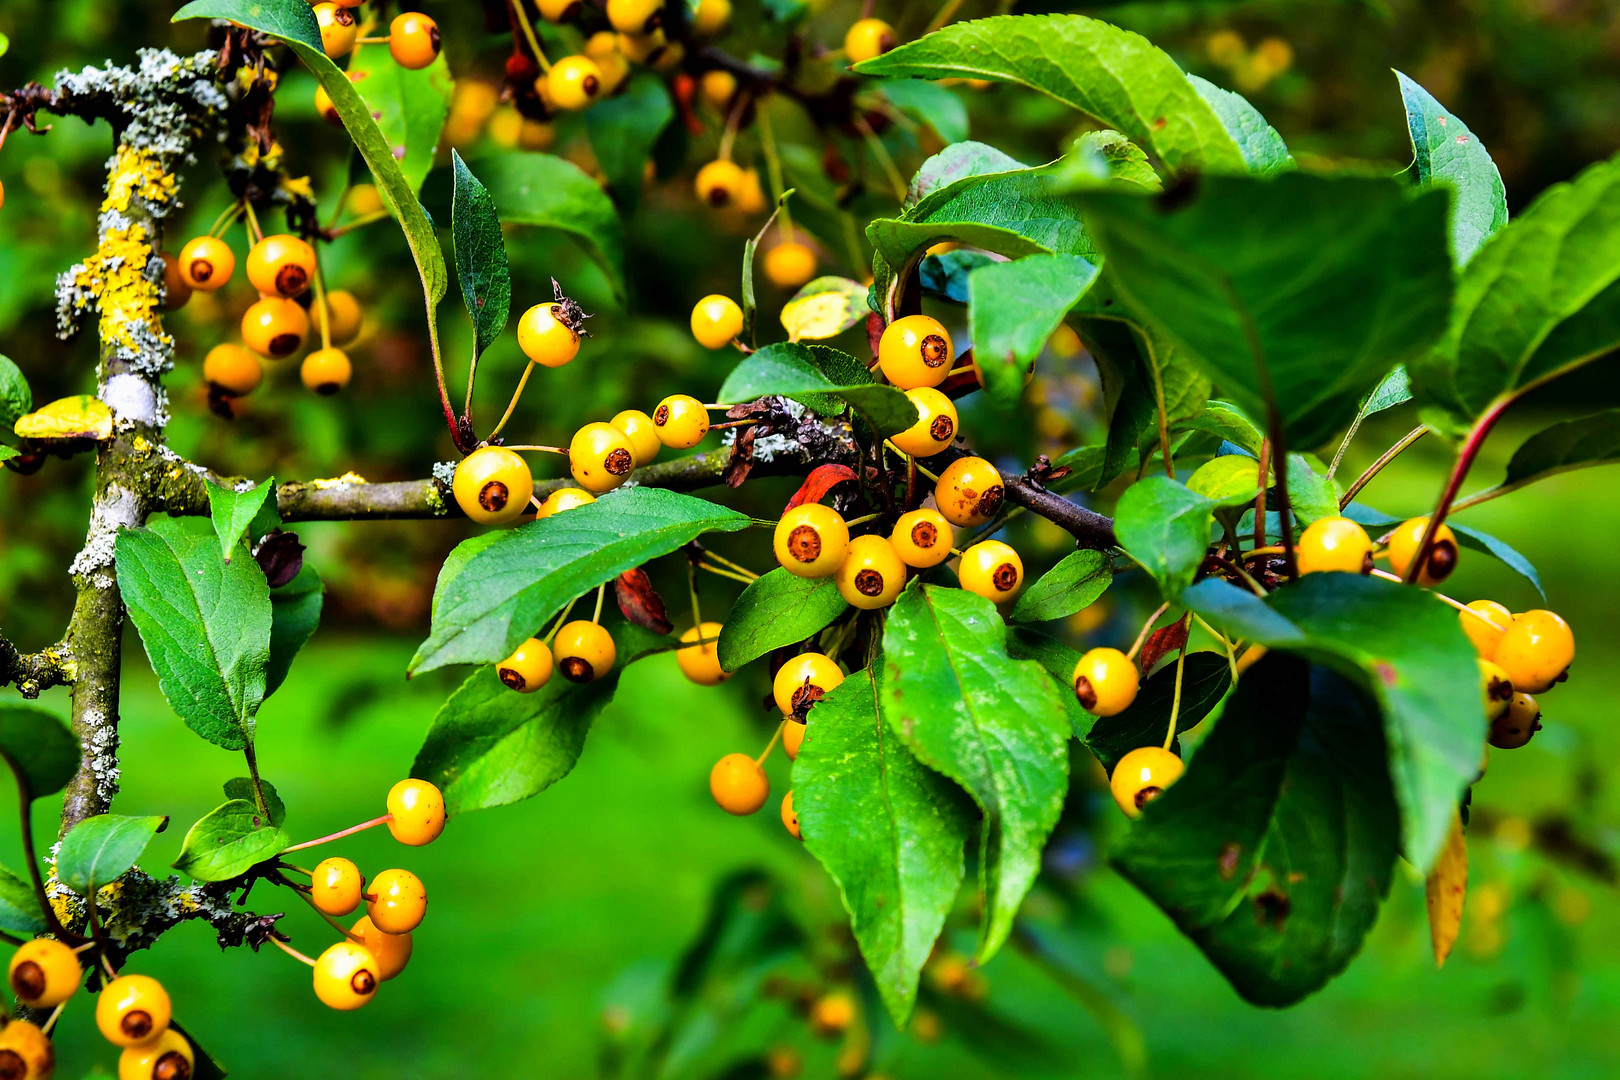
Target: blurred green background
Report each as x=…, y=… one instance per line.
x=556, y=925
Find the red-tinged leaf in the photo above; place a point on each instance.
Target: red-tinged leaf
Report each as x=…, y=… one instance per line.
x=1447, y=884
x=874, y=332
x=640, y=602
x=742, y=457
x=821, y=480
x=1162, y=642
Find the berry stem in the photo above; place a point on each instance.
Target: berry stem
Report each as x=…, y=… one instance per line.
x=359, y=223
x=601, y=592
x=221, y=223
x=371, y=41
x=722, y=572
x=537, y=448
x=290, y=951
x=889, y=444
x=528, y=34
x=723, y=561
x=1378, y=466
x=320, y=304
x=1231, y=652
x=56, y=1013
x=1459, y=605
x=1465, y=460
x=863, y=519
x=254, y=232
x=692, y=594
x=511, y=406
x=303, y=895
x=52, y=923
x=561, y=619
x=350, y=831
x=776, y=735
x=1260, y=499
x=941, y=17
x=1141, y=638
x=1175, y=705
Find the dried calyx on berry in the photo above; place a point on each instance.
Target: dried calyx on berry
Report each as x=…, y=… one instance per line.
x=569, y=313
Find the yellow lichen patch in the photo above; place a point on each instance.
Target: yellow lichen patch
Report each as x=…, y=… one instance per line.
x=339, y=481
x=299, y=187
x=136, y=172
x=78, y=417
x=126, y=296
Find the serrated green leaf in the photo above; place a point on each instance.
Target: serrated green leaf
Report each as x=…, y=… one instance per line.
x=1074, y=583
x=16, y=399
x=295, y=612
x=205, y=624
x=930, y=104
x=1100, y=158
x=1295, y=290
x=490, y=747
x=1263, y=149
x=1058, y=661
x=481, y=267
x=228, y=841
x=410, y=107
x=42, y=752
x=1013, y=308
x=1128, y=400
x=1539, y=299
x=20, y=912
x=991, y=723
x=1394, y=390
x=775, y=610
x=234, y=511
x=793, y=370
x=623, y=130
x=1205, y=679
x=241, y=787
x=1114, y=75
x=889, y=831
x=958, y=161
x=505, y=592
x=1446, y=153
x=1311, y=494
x=1165, y=526
x=1276, y=848
x=1230, y=479
x=100, y=849
x=546, y=191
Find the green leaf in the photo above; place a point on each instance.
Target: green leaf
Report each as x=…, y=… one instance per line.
x=792, y=370
x=20, y=912
x=40, y=749
x=1263, y=149
x=16, y=399
x=991, y=723
x=931, y=104
x=1116, y=76
x=1205, y=679
x=1099, y=158
x=5, y=44
x=1224, y=421
x=99, y=850
x=1539, y=299
x=293, y=22
x=481, y=268
x=205, y=624
x=623, y=130
x=543, y=190
x=777, y=609
x=1574, y=444
x=241, y=787
x=410, y=107
x=958, y=161
x=1128, y=400
x=1013, y=308
x=1230, y=478
x=1395, y=390
x=889, y=831
x=1470, y=538
x=507, y=591
x=490, y=747
x=1165, y=526
x=234, y=511
x=1058, y=660
x=1311, y=494
x=1402, y=645
x=1296, y=290
x=946, y=275
x=1276, y=848
x=1446, y=153
x=228, y=841
x=295, y=612
x=1240, y=613
x=1074, y=583
x=7, y=453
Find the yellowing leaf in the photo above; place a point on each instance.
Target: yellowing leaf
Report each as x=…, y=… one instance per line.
x=1447, y=883
x=824, y=308
x=80, y=417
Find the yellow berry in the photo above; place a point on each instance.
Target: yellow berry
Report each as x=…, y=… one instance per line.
x=1403, y=550
x=801, y=682
x=992, y=570
x=492, y=485
x=915, y=351
x=1105, y=682
x=639, y=428
x=336, y=885
x=600, y=457
x=275, y=327
x=970, y=491
x=1142, y=775
x=790, y=819
x=574, y=82
x=681, y=420
x=711, y=17
x=346, y=976
x=718, y=183
x=1495, y=688
x=207, y=263
x=790, y=264
x=26, y=1052
x=548, y=334
x=1485, y=622
x=719, y=87
x=44, y=973
x=701, y=663
x=343, y=316
x=1334, y=543
x=168, y=1057
x=413, y=39
x=529, y=666
x=233, y=369
x=326, y=371
x=415, y=812
x=738, y=784
x=872, y=573
x=935, y=426
x=811, y=540
x=325, y=108
x=832, y=1014
x=635, y=16
x=563, y=499
x=792, y=737
x=558, y=10
x=716, y=321
x=391, y=951
x=1536, y=650
x=399, y=902
x=867, y=38
x=175, y=289
x=1517, y=724
x=923, y=538
x=132, y=1009
x=585, y=651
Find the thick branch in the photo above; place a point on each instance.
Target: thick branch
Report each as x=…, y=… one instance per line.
x=33, y=672
x=145, y=908
x=1089, y=528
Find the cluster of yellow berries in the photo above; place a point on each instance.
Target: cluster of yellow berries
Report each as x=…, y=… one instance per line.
x=282, y=268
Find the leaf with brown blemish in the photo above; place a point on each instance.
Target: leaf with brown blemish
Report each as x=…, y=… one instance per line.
x=1446, y=886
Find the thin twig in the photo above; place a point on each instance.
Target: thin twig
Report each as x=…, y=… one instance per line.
x=1378, y=466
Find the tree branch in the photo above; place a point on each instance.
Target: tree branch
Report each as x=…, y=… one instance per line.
x=33, y=672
